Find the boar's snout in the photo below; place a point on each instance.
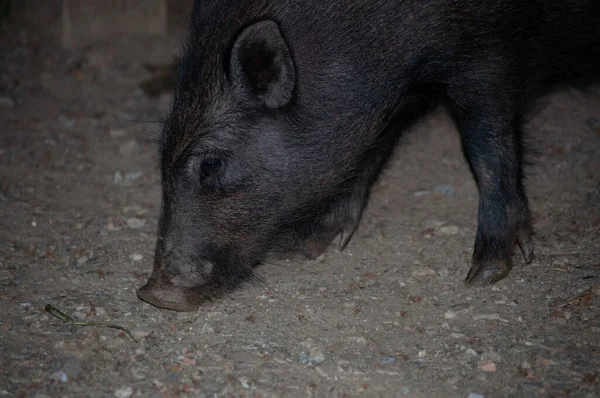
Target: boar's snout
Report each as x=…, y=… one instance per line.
x=169, y=297
x=179, y=292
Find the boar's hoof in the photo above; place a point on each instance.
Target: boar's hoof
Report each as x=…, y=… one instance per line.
x=488, y=272
x=489, y=266
x=317, y=245
x=168, y=297
x=343, y=227
x=525, y=242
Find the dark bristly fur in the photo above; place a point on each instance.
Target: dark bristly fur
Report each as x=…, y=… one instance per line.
x=286, y=111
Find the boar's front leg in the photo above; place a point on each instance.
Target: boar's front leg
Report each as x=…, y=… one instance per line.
x=490, y=127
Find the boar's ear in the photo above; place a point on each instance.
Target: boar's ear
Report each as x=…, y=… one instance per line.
x=261, y=66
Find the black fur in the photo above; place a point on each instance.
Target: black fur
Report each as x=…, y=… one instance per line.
x=303, y=114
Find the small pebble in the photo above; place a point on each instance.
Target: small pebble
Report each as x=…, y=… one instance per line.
x=124, y=392
x=458, y=335
x=136, y=257
x=99, y=311
x=487, y=317
x=118, y=177
x=79, y=315
x=470, y=351
x=142, y=331
x=126, y=180
x=422, y=354
x=358, y=340
x=306, y=359
x=488, y=367
x=60, y=376
x=423, y=272
x=474, y=395
x=449, y=315
x=136, y=223
x=315, y=355
x=444, y=189
x=244, y=383
x=136, y=210
x=83, y=308
x=133, y=176
x=449, y=230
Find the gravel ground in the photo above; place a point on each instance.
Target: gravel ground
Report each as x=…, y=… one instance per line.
x=389, y=316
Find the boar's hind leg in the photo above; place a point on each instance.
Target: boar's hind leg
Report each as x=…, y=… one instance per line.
x=491, y=136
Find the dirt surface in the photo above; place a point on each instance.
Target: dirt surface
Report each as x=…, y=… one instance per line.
x=389, y=316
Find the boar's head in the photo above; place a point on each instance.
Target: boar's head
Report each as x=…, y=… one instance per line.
x=250, y=166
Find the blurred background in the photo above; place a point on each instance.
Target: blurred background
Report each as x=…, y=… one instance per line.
x=77, y=23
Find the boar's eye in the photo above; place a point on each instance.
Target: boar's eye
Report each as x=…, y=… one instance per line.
x=209, y=167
